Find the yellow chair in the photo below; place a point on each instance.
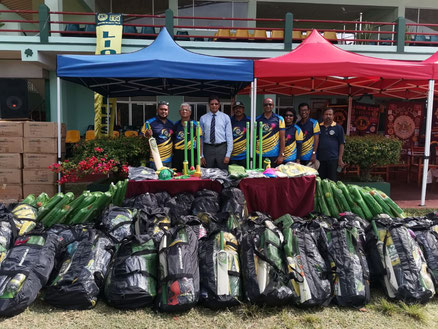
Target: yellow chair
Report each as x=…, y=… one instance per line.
x=223, y=35
x=131, y=133
x=241, y=35
x=277, y=35
x=116, y=133
x=73, y=136
x=259, y=35
x=89, y=135
x=297, y=35
x=331, y=36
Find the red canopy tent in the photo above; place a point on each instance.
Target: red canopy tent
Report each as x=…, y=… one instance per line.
x=317, y=67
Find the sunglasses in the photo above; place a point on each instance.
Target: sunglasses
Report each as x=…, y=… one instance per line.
x=268, y=104
x=163, y=103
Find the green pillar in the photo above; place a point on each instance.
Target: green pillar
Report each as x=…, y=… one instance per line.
x=44, y=17
x=400, y=34
x=169, y=21
x=288, y=26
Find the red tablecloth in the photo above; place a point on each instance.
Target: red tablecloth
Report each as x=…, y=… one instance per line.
x=279, y=196
x=172, y=186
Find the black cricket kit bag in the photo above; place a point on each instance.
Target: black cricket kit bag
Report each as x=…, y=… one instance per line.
x=219, y=264
x=8, y=231
x=118, y=223
x=25, y=270
x=82, y=272
x=179, y=270
x=311, y=280
x=132, y=279
x=343, y=246
x=398, y=259
x=265, y=278
x=25, y=218
x=233, y=201
x=206, y=201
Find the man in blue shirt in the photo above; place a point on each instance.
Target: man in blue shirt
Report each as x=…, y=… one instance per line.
x=331, y=147
x=272, y=135
x=162, y=130
x=238, y=122
x=294, y=138
x=217, y=138
x=311, y=131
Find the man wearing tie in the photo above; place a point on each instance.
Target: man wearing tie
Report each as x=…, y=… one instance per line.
x=217, y=137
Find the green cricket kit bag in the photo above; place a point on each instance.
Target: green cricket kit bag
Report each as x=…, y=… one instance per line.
x=179, y=270
x=81, y=275
x=400, y=262
x=342, y=244
x=219, y=263
x=311, y=280
x=8, y=231
x=426, y=235
x=118, y=223
x=264, y=273
x=25, y=270
x=132, y=278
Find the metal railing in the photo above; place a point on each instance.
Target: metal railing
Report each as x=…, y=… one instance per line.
x=197, y=28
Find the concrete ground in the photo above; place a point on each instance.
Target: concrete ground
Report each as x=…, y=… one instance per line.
x=409, y=195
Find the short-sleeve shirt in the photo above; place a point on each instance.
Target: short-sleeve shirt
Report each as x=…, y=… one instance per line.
x=293, y=136
x=329, y=141
x=271, y=134
x=309, y=129
x=178, y=137
x=162, y=133
x=239, y=138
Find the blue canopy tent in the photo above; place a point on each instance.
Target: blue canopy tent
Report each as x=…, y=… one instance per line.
x=162, y=68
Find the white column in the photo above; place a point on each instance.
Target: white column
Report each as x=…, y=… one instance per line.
x=427, y=141
x=350, y=108
x=55, y=5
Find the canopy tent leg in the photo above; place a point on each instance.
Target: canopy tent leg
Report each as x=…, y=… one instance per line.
x=253, y=117
x=350, y=108
x=58, y=118
x=427, y=141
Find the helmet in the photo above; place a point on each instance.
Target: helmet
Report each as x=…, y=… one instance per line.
x=165, y=174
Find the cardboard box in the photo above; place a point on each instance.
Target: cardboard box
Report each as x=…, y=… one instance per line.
x=38, y=160
x=11, y=161
x=37, y=189
x=11, y=192
x=42, y=145
x=39, y=176
x=11, y=128
x=11, y=144
x=42, y=129
x=10, y=176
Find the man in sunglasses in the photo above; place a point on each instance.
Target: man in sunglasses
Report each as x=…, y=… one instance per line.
x=273, y=134
x=217, y=138
x=162, y=129
x=238, y=122
x=294, y=138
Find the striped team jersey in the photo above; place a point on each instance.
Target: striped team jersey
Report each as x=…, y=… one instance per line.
x=178, y=138
x=271, y=134
x=239, y=138
x=309, y=129
x=294, y=135
x=162, y=133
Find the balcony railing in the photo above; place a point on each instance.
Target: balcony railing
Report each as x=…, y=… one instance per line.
x=219, y=29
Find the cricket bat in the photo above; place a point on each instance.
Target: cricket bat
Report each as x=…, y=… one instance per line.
x=154, y=151
x=223, y=281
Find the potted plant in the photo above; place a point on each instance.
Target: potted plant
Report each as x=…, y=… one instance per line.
x=104, y=157
x=372, y=151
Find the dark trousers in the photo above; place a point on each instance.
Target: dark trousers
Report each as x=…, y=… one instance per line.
x=239, y=162
x=178, y=159
x=327, y=169
x=215, y=154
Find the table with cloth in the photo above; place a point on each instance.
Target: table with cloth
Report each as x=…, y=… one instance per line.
x=273, y=196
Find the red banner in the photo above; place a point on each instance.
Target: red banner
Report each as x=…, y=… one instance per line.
x=364, y=119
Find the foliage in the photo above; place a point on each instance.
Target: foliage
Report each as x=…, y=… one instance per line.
x=365, y=33
x=103, y=156
x=371, y=151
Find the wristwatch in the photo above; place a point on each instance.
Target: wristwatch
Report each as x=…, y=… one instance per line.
x=313, y=152
x=282, y=154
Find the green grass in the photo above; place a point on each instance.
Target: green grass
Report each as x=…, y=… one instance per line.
x=412, y=212
x=380, y=313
